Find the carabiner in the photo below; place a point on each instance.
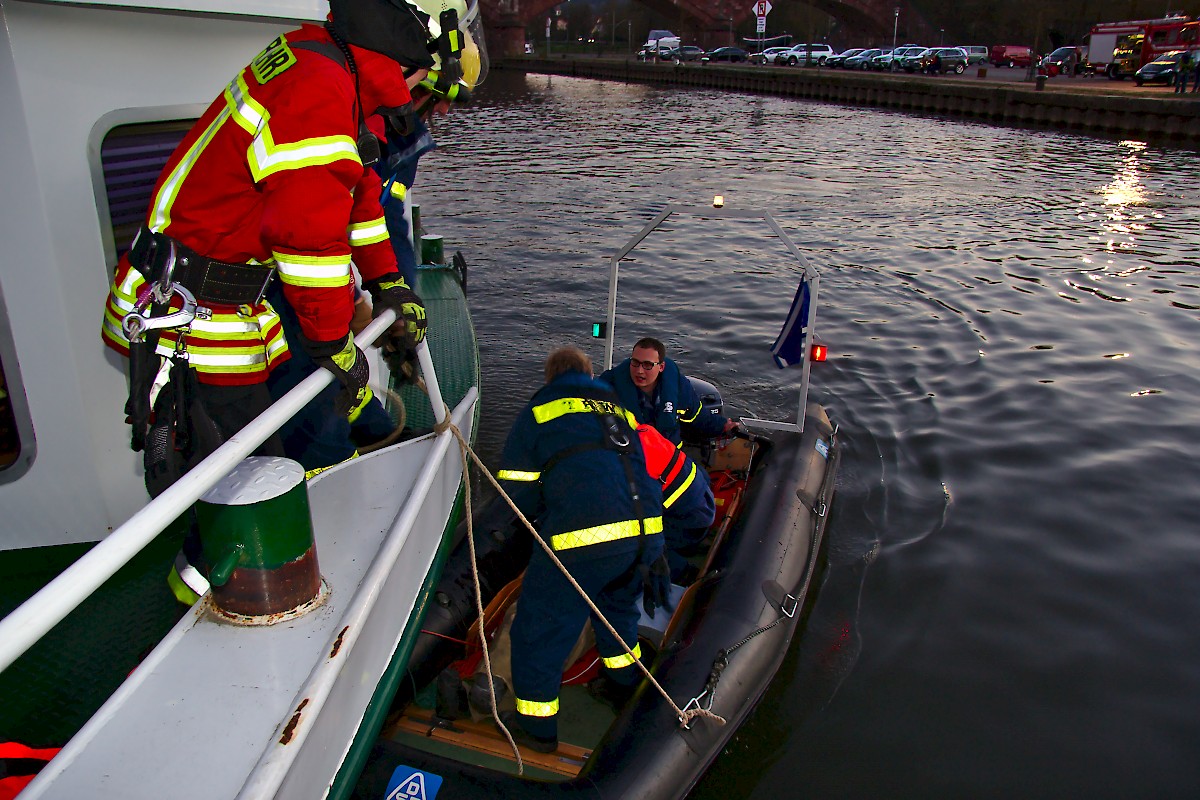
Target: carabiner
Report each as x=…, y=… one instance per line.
x=135, y=325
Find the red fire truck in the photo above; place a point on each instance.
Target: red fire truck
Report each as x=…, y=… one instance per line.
x=1119, y=49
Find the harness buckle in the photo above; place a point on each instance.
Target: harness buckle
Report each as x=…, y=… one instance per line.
x=137, y=322
x=788, y=606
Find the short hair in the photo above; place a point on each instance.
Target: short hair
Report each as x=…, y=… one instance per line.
x=567, y=359
x=656, y=344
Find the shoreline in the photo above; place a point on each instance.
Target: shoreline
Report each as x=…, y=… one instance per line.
x=1091, y=106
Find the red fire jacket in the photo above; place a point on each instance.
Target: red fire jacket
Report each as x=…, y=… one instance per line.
x=271, y=175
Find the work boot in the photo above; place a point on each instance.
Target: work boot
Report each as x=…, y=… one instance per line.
x=480, y=699
x=524, y=738
x=451, y=700
x=612, y=694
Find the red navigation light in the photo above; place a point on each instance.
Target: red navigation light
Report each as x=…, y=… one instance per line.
x=819, y=352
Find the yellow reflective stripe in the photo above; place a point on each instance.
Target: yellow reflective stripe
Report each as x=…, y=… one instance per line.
x=579, y=405
x=683, y=411
x=534, y=708
x=370, y=232
x=247, y=112
x=604, y=533
x=625, y=659
x=518, y=475
x=312, y=473
x=398, y=190
x=313, y=270
x=264, y=157
x=160, y=213
x=675, y=495
x=229, y=327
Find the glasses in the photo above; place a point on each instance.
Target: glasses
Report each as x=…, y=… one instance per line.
x=643, y=364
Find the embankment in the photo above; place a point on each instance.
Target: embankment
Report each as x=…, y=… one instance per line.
x=1089, y=109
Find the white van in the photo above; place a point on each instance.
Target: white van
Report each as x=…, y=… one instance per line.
x=661, y=40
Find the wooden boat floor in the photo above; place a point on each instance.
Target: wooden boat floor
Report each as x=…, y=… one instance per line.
x=484, y=738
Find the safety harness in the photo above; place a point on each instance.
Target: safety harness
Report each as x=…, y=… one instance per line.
x=172, y=270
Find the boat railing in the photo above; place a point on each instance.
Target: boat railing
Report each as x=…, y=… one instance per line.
x=809, y=276
x=45, y=609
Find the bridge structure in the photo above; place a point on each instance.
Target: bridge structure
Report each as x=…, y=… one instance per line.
x=708, y=23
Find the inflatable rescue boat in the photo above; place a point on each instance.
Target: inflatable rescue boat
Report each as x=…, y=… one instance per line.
x=718, y=650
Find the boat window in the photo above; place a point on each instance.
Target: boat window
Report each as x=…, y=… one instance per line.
x=132, y=156
x=17, y=443
x=10, y=438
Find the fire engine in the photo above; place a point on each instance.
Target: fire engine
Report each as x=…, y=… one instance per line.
x=1118, y=49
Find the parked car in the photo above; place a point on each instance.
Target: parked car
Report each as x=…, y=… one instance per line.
x=686, y=52
x=1056, y=62
x=862, y=60
x=767, y=56
x=911, y=61
x=890, y=62
x=1011, y=55
x=946, y=59
x=976, y=53
x=809, y=54
x=727, y=54
x=1164, y=69
x=836, y=61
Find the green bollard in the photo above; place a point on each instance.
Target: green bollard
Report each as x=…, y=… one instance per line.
x=431, y=250
x=257, y=535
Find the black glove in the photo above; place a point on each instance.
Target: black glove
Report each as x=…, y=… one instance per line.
x=390, y=291
x=343, y=358
x=656, y=585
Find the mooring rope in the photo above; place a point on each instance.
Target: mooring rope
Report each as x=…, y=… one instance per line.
x=684, y=717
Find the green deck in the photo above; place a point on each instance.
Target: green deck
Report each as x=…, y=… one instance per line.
x=452, y=344
x=51, y=690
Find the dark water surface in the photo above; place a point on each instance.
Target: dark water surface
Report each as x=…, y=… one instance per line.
x=1012, y=607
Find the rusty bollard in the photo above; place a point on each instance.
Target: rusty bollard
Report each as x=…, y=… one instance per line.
x=257, y=535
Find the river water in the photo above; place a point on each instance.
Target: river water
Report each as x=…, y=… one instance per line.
x=1012, y=602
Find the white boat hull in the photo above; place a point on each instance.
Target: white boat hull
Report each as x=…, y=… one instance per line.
x=214, y=711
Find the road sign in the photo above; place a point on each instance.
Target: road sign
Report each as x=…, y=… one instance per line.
x=761, y=8
x=762, y=25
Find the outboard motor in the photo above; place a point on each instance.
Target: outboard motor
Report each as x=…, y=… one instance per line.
x=710, y=403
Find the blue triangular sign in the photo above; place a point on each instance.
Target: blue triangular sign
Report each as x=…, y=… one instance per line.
x=413, y=784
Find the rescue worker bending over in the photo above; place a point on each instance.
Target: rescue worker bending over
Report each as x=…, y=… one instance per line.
x=272, y=181
x=603, y=518
x=651, y=386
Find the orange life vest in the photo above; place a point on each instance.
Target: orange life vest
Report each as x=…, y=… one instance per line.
x=666, y=463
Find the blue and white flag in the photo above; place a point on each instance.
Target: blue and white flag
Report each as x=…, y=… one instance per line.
x=790, y=348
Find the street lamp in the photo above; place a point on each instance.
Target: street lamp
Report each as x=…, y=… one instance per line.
x=941, y=36
x=895, y=27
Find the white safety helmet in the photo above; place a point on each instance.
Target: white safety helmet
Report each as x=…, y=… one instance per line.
x=418, y=33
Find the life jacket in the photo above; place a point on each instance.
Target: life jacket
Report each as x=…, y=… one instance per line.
x=666, y=463
x=19, y=765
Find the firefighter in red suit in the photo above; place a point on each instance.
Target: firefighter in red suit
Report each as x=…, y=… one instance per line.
x=272, y=182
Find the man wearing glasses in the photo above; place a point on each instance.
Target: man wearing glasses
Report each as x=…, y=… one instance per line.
x=651, y=386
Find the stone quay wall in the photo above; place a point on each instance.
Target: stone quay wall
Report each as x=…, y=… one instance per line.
x=1079, y=106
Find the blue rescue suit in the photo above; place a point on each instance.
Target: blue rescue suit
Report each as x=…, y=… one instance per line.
x=591, y=520
x=674, y=401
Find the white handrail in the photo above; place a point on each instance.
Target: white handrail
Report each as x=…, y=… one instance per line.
x=41, y=612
